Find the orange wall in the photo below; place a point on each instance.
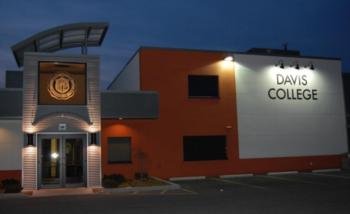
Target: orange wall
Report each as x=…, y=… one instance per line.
x=166, y=71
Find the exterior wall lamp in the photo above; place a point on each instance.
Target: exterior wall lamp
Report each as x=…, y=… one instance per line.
x=295, y=65
x=93, y=139
x=280, y=64
x=30, y=139
x=311, y=66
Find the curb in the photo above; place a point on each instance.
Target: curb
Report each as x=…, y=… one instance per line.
x=326, y=170
x=236, y=175
x=169, y=186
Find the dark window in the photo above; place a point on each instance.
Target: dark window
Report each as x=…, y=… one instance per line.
x=119, y=150
x=204, y=148
x=203, y=86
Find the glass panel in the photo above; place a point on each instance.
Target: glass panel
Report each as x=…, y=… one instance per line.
x=50, y=161
x=74, y=160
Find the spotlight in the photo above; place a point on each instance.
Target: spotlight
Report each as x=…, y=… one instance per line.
x=30, y=139
x=311, y=65
x=228, y=59
x=280, y=64
x=295, y=65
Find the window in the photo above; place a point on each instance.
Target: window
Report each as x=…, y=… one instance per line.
x=119, y=150
x=196, y=148
x=203, y=86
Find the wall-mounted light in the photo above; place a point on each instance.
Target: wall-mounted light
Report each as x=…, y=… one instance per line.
x=280, y=64
x=30, y=139
x=228, y=59
x=93, y=138
x=311, y=66
x=295, y=65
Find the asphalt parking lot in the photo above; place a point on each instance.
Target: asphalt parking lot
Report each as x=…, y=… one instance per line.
x=326, y=192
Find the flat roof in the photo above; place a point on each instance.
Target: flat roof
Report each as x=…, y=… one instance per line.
x=61, y=37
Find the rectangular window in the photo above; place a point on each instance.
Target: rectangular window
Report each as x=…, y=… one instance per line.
x=62, y=83
x=119, y=150
x=197, y=148
x=203, y=86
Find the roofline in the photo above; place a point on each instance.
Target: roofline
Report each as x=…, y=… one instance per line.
x=123, y=68
x=212, y=51
x=236, y=52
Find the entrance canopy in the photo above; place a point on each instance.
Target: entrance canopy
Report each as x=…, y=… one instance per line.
x=62, y=37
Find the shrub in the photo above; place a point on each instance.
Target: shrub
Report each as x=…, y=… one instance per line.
x=113, y=180
x=11, y=186
x=141, y=175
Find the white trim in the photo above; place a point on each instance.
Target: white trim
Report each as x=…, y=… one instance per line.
x=236, y=175
x=282, y=173
x=57, y=133
x=187, y=178
x=326, y=170
x=87, y=160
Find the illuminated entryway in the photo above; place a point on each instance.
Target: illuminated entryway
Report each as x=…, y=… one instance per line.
x=61, y=160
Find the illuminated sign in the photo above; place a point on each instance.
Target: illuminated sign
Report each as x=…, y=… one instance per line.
x=62, y=83
x=292, y=87
x=61, y=86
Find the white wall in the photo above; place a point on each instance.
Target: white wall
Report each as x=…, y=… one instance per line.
x=129, y=79
x=284, y=128
x=11, y=141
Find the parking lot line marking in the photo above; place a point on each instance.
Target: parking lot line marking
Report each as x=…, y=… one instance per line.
x=282, y=173
x=334, y=176
x=291, y=180
x=187, y=178
x=239, y=183
x=190, y=191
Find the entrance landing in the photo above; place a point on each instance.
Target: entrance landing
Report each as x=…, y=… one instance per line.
x=62, y=191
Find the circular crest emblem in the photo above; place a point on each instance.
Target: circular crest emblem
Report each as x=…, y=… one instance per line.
x=62, y=86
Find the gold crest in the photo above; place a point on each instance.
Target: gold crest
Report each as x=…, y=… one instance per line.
x=62, y=86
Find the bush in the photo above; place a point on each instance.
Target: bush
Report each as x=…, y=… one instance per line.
x=141, y=175
x=112, y=181
x=11, y=186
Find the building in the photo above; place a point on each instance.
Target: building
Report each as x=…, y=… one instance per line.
x=169, y=112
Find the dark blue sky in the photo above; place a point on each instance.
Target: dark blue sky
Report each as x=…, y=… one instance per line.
x=315, y=27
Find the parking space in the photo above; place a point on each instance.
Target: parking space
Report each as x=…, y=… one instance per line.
x=281, y=182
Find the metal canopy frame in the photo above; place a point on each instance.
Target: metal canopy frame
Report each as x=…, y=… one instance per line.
x=62, y=37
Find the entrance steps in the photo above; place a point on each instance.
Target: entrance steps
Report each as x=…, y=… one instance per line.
x=62, y=191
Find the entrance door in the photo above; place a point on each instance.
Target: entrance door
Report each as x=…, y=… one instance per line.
x=62, y=160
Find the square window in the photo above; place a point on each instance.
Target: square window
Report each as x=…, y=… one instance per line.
x=203, y=86
x=119, y=150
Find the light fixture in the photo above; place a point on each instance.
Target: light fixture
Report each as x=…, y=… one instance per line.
x=311, y=66
x=120, y=118
x=93, y=138
x=30, y=139
x=54, y=155
x=280, y=64
x=295, y=65
x=228, y=59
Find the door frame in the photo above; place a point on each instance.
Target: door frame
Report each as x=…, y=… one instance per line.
x=62, y=178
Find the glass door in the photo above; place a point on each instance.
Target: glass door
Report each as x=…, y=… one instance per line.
x=50, y=161
x=62, y=160
x=74, y=160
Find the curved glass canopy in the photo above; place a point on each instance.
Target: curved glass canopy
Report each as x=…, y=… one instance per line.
x=62, y=37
